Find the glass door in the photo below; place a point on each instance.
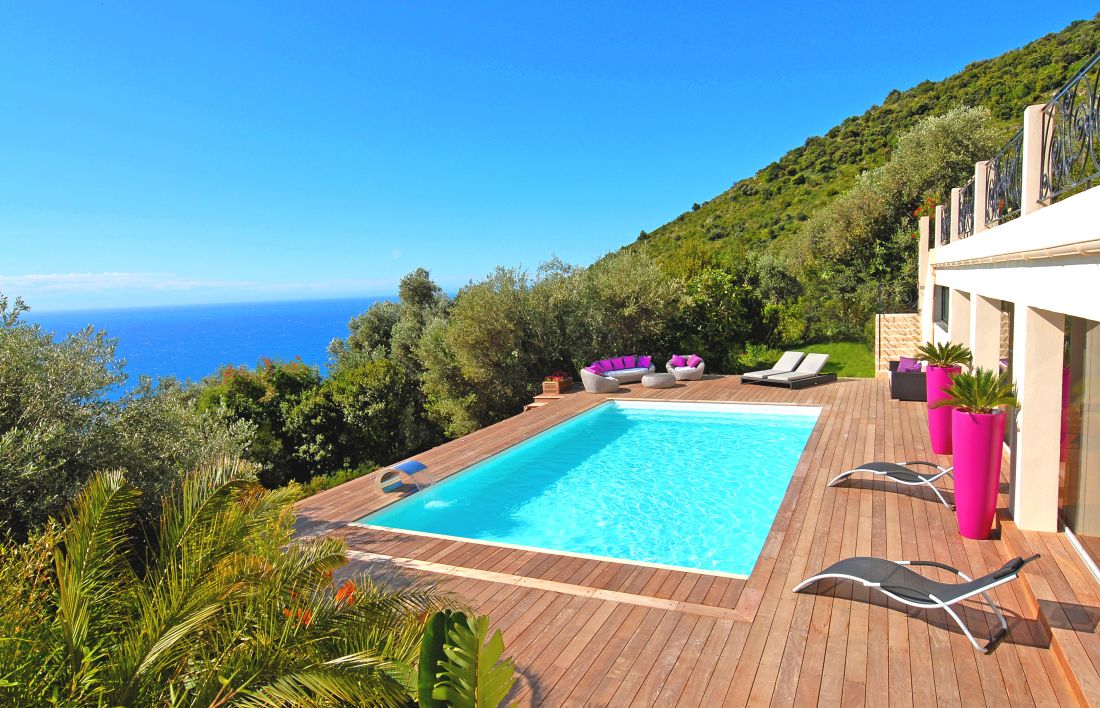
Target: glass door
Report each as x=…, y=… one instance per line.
x=1080, y=483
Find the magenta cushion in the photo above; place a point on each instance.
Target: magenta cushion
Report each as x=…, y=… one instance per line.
x=694, y=360
x=678, y=360
x=644, y=361
x=908, y=365
x=617, y=363
x=629, y=361
x=592, y=369
x=605, y=365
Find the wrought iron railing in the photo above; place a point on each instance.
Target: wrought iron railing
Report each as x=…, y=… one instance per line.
x=1004, y=187
x=1071, y=135
x=966, y=209
x=945, y=225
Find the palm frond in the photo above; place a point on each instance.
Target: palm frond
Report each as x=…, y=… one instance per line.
x=90, y=564
x=945, y=354
x=980, y=391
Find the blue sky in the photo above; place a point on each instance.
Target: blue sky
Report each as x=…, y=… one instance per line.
x=209, y=152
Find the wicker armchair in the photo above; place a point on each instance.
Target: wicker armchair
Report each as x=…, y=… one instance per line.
x=686, y=373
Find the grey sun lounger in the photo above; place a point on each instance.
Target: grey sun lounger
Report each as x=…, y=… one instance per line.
x=786, y=364
x=900, y=473
x=894, y=579
x=808, y=373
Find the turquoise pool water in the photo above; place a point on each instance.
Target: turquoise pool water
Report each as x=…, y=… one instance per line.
x=690, y=485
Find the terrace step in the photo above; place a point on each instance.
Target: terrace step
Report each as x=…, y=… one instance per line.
x=1062, y=593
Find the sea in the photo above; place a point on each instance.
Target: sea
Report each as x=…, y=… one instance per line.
x=194, y=341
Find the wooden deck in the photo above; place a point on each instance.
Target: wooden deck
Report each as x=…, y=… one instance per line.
x=590, y=632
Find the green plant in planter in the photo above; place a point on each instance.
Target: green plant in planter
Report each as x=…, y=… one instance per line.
x=980, y=391
x=946, y=355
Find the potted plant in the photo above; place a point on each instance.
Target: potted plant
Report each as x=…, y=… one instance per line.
x=557, y=383
x=944, y=362
x=978, y=429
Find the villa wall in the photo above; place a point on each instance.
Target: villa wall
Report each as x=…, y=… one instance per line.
x=1012, y=290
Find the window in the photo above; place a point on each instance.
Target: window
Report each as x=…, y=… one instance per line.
x=943, y=304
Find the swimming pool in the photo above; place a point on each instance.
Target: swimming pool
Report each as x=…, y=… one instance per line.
x=689, y=485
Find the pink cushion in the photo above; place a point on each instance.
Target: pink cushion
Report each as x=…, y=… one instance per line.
x=694, y=360
x=629, y=361
x=678, y=360
x=592, y=369
x=606, y=365
x=644, y=361
x=617, y=363
x=908, y=365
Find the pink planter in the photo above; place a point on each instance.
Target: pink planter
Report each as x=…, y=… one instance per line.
x=937, y=381
x=977, y=438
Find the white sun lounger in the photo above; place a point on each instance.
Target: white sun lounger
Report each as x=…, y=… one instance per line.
x=786, y=364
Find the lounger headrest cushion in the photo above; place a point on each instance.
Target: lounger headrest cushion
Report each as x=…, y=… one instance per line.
x=788, y=361
x=813, y=363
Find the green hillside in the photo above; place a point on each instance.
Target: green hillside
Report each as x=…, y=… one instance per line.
x=773, y=204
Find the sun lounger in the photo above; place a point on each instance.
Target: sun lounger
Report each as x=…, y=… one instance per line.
x=895, y=580
x=786, y=363
x=900, y=473
x=808, y=373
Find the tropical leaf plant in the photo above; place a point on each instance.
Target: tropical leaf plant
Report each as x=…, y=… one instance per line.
x=473, y=673
x=980, y=391
x=223, y=608
x=946, y=355
x=436, y=631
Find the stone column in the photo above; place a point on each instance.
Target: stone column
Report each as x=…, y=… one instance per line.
x=981, y=191
x=1032, y=160
x=985, y=331
x=926, y=280
x=924, y=228
x=958, y=325
x=1037, y=353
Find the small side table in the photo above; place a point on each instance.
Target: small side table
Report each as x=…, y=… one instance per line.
x=658, y=380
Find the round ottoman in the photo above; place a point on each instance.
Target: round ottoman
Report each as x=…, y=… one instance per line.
x=658, y=380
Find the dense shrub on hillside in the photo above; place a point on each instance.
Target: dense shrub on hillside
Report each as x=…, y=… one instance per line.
x=59, y=424
x=265, y=397
x=859, y=253
x=503, y=334
x=369, y=411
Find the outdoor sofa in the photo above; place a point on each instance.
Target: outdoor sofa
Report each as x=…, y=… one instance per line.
x=907, y=381
x=686, y=368
x=605, y=375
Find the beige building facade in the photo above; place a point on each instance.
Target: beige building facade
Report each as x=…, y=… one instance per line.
x=1011, y=268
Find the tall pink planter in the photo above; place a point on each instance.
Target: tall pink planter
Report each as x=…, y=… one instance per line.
x=937, y=381
x=977, y=438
